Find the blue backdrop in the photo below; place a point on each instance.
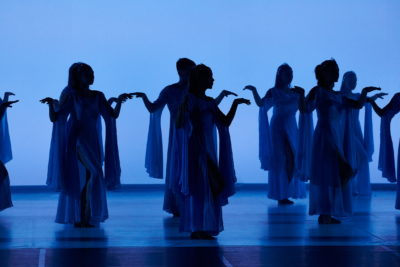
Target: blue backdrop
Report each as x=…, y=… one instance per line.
x=133, y=45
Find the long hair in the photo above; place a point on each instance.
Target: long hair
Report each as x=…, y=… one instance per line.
x=282, y=69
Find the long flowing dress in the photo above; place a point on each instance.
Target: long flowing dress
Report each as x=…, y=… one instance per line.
x=82, y=157
x=5, y=156
x=172, y=96
x=359, y=146
x=330, y=189
x=206, y=179
x=58, y=144
x=281, y=160
x=386, y=150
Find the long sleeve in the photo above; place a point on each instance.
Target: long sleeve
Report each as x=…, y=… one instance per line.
x=368, y=132
x=264, y=135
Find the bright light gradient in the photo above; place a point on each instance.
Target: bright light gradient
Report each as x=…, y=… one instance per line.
x=133, y=45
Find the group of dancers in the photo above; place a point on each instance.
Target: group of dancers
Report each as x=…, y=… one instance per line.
x=200, y=176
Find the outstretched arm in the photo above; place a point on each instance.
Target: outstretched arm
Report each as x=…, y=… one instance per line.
x=257, y=97
x=223, y=94
x=151, y=106
x=51, y=103
x=7, y=95
x=4, y=105
x=358, y=104
x=114, y=112
x=228, y=118
x=382, y=111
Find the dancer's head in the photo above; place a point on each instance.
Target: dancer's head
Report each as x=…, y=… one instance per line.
x=327, y=73
x=81, y=75
x=184, y=66
x=284, y=76
x=201, y=79
x=349, y=82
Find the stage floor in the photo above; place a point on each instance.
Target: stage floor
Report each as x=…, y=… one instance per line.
x=258, y=232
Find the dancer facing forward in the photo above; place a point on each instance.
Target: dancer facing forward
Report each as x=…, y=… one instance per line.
x=207, y=177
x=172, y=96
x=82, y=200
x=278, y=144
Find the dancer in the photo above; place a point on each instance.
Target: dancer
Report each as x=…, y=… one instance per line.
x=172, y=96
x=361, y=145
x=278, y=145
x=82, y=200
x=386, y=151
x=330, y=192
x=206, y=180
x=58, y=141
x=5, y=153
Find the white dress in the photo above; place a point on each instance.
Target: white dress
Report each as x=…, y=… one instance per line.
x=83, y=152
x=283, y=176
x=207, y=180
x=330, y=186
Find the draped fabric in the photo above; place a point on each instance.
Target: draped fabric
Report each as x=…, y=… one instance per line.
x=306, y=132
x=264, y=149
x=331, y=171
x=5, y=156
x=82, y=156
x=368, y=132
x=206, y=181
x=5, y=149
x=279, y=143
x=154, y=148
x=59, y=143
x=172, y=96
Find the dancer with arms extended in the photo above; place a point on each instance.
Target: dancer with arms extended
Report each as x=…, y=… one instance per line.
x=359, y=146
x=386, y=162
x=331, y=170
x=82, y=200
x=5, y=152
x=278, y=143
x=172, y=96
x=207, y=177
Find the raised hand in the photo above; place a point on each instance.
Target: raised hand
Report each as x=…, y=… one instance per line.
x=376, y=96
x=123, y=97
x=8, y=104
x=226, y=93
x=239, y=101
x=250, y=87
x=7, y=94
x=371, y=89
x=47, y=100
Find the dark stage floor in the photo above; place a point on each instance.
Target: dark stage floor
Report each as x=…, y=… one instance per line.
x=257, y=233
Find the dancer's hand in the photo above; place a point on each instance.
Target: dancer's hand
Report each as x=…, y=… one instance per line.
x=226, y=93
x=123, y=97
x=376, y=96
x=7, y=94
x=371, y=89
x=47, y=100
x=8, y=104
x=239, y=101
x=250, y=87
x=139, y=94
